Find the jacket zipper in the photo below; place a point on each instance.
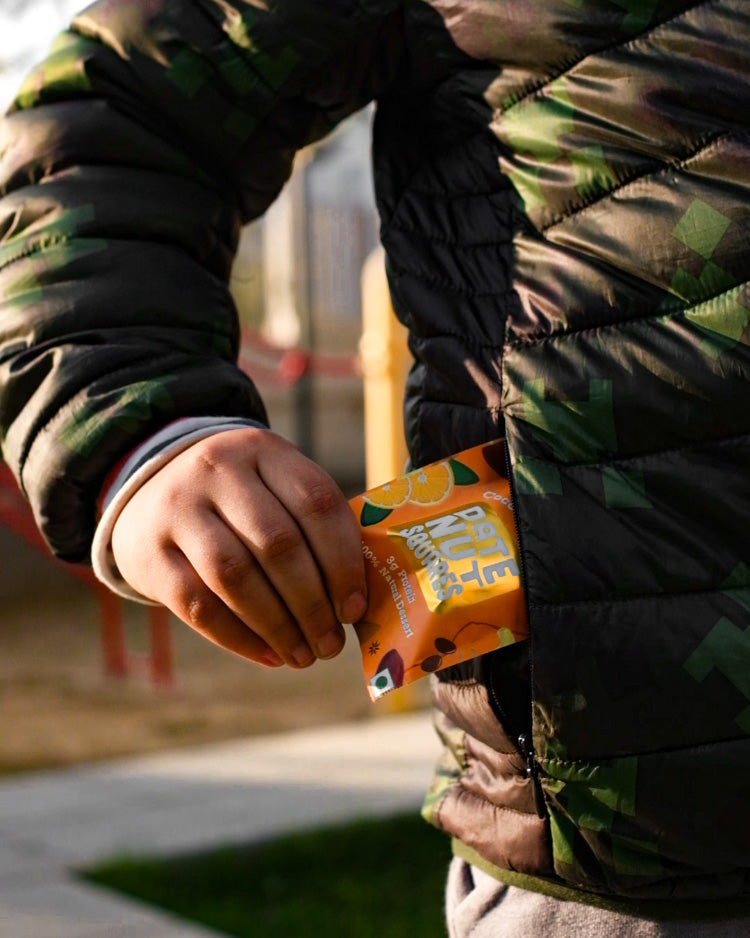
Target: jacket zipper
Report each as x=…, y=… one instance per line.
x=527, y=751
x=524, y=743
x=532, y=772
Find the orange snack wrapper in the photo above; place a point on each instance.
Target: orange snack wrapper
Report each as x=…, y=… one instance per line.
x=443, y=578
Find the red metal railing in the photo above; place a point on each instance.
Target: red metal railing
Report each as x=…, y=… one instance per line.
x=273, y=366
x=157, y=662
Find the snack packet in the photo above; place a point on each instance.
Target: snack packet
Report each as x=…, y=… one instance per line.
x=443, y=578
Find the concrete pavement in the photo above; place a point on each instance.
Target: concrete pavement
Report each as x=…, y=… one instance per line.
x=189, y=800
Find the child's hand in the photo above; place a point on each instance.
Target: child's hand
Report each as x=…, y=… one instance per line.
x=251, y=544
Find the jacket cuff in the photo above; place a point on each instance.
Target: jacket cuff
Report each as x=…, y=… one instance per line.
x=144, y=462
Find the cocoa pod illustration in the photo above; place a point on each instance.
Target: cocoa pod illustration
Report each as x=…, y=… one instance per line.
x=395, y=664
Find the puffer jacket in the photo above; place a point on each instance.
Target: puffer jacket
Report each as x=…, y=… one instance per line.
x=563, y=188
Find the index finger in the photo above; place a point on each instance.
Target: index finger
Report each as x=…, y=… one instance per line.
x=323, y=514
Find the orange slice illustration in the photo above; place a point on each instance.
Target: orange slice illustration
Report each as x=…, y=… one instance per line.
x=431, y=484
x=390, y=495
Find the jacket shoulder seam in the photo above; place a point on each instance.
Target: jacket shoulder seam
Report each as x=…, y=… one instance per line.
x=654, y=168
x=533, y=88
x=626, y=321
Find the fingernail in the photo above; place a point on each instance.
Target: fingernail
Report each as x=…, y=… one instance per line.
x=302, y=655
x=271, y=660
x=353, y=608
x=331, y=644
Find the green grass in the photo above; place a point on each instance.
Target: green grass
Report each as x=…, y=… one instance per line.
x=368, y=879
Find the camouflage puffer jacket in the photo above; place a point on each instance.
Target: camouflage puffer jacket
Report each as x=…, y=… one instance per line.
x=564, y=193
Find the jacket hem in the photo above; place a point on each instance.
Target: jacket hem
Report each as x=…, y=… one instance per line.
x=651, y=909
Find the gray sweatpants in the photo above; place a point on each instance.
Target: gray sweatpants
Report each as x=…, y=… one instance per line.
x=479, y=906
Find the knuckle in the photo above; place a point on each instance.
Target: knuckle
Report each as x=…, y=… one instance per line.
x=230, y=572
x=278, y=543
x=172, y=501
x=321, y=500
x=212, y=453
x=205, y=461
x=197, y=605
x=206, y=457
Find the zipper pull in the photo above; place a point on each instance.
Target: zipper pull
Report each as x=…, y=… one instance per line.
x=532, y=772
x=528, y=753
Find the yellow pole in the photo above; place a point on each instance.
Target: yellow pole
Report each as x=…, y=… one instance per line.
x=385, y=360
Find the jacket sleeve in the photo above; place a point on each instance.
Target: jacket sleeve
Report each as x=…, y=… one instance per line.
x=130, y=159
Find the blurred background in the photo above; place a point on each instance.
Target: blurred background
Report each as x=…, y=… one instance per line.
x=83, y=677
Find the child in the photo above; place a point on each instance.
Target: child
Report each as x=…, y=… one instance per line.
x=564, y=202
